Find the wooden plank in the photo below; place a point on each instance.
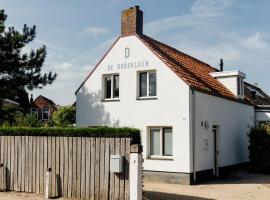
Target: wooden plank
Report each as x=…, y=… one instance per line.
x=88, y=168
x=70, y=167
x=41, y=165
x=19, y=183
x=26, y=166
x=30, y=164
x=66, y=167
x=2, y=158
x=106, y=169
x=57, y=167
x=79, y=166
x=74, y=168
x=127, y=194
x=116, y=176
x=34, y=139
x=102, y=168
x=12, y=161
x=50, y=161
x=6, y=159
x=23, y=164
x=83, y=163
x=93, y=157
x=53, y=179
x=45, y=140
x=112, y=152
x=37, y=164
x=15, y=165
x=9, y=161
x=62, y=165
x=122, y=175
x=97, y=169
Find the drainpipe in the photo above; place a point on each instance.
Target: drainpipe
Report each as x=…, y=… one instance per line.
x=193, y=134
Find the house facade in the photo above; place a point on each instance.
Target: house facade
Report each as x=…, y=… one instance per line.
x=193, y=118
x=42, y=107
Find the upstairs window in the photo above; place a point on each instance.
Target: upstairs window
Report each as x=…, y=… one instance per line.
x=34, y=111
x=240, y=86
x=45, y=113
x=147, y=84
x=111, y=86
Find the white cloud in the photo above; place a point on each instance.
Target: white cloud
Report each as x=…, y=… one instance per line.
x=256, y=41
x=93, y=32
x=200, y=13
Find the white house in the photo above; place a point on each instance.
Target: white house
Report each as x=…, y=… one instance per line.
x=193, y=118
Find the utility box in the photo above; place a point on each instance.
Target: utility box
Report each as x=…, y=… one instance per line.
x=116, y=163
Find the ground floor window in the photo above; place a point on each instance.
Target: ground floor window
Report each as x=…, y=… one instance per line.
x=34, y=111
x=160, y=141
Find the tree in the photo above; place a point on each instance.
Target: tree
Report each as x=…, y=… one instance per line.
x=64, y=116
x=20, y=71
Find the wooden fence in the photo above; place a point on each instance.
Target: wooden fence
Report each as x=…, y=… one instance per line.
x=80, y=166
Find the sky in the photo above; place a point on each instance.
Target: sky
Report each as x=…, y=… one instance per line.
x=78, y=33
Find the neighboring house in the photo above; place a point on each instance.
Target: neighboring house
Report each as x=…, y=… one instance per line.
x=10, y=102
x=193, y=118
x=261, y=102
x=42, y=107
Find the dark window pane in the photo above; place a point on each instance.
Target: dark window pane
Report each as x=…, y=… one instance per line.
x=143, y=84
x=167, y=141
x=116, y=86
x=154, y=141
x=238, y=86
x=108, y=83
x=45, y=113
x=152, y=84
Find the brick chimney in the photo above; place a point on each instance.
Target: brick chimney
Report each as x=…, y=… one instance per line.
x=132, y=21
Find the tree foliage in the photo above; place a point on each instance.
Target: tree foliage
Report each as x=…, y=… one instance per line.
x=64, y=116
x=19, y=70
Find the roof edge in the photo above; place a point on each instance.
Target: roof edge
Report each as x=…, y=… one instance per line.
x=102, y=58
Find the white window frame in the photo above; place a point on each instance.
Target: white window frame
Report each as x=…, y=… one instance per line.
x=36, y=113
x=147, y=85
x=161, y=156
x=112, y=86
x=48, y=113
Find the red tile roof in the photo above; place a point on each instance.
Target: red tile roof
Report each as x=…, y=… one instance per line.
x=193, y=72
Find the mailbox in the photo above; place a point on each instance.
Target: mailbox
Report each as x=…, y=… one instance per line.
x=116, y=163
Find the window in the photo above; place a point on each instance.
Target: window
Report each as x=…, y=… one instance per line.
x=147, y=84
x=240, y=86
x=45, y=113
x=34, y=111
x=111, y=86
x=160, y=141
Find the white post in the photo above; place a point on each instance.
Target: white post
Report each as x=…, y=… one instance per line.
x=48, y=183
x=135, y=173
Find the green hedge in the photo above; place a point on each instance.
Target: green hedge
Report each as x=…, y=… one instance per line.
x=259, y=150
x=134, y=134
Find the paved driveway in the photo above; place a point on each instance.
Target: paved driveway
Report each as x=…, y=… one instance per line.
x=241, y=185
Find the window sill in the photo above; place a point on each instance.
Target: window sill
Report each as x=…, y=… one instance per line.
x=146, y=98
x=169, y=158
x=109, y=100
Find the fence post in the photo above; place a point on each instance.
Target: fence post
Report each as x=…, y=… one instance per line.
x=2, y=178
x=48, y=183
x=135, y=171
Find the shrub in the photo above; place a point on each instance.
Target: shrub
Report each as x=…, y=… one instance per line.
x=27, y=120
x=64, y=116
x=259, y=150
x=134, y=134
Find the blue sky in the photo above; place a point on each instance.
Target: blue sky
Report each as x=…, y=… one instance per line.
x=78, y=33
